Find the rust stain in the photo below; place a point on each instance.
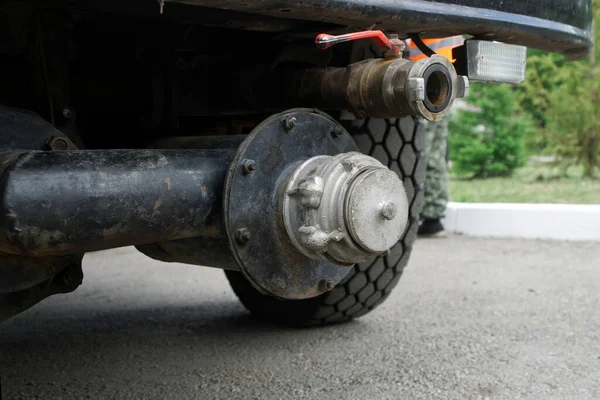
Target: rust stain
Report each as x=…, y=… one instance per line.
x=168, y=181
x=157, y=205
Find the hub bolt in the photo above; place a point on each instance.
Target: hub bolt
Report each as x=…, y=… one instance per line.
x=73, y=276
x=336, y=132
x=290, y=123
x=243, y=235
x=67, y=113
x=249, y=166
x=58, y=143
x=327, y=284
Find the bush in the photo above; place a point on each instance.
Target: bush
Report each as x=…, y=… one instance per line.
x=562, y=99
x=486, y=139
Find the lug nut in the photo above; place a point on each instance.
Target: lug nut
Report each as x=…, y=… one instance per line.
x=58, y=143
x=388, y=210
x=67, y=113
x=243, y=235
x=326, y=284
x=249, y=166
x=73, y=276
x=290, y=123
x=336, y=132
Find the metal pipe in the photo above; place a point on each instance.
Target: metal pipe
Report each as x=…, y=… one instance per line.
x=379, y=88
x=67, y=202
x=212, y=248
x=383, y=88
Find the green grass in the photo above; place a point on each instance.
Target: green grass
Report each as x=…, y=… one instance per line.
x=531, y=184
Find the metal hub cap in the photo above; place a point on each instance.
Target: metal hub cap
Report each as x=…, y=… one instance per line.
x=376, y=209
x=346, y=208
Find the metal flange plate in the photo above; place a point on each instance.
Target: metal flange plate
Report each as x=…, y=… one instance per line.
x=253, y=217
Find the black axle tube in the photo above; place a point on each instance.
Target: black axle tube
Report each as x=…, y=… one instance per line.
x=69, y=202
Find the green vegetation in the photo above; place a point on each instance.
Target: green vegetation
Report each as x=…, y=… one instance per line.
x=554, y=112
x=530, y=184
x=562, y=99
x=487, y=141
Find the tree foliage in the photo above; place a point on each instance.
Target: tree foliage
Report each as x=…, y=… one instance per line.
x=556, y=110
x=486, y=139
x=562, y=99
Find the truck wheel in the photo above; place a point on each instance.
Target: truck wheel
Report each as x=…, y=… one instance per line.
x=399, y=144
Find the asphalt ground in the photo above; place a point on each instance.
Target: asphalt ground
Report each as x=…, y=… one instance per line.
x=470, y=319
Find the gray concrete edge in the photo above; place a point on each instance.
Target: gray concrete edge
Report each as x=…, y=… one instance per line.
x=530, y=221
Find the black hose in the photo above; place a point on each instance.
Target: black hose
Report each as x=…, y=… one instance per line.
x=421, y=45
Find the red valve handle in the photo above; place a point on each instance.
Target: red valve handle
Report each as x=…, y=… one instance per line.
x=390, y=47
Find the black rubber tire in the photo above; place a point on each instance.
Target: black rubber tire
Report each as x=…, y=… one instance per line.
x=399, y=144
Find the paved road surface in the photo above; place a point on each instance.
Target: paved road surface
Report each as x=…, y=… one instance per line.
x=471, y=319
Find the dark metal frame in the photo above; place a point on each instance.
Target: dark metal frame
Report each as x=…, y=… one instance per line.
x=554, y=25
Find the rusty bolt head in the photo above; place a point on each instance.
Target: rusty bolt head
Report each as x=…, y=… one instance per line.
x=67, y=113
x=73, y=276
x=249, y=166
x=58, y=143
x=327, y=284
x=397, y=41
x=243, y=235
x=290, y=123
x=336, y=132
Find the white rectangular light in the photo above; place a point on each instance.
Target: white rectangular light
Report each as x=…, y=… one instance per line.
x=495, y=62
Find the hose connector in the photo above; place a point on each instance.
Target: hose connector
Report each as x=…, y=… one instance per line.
x=386, y=88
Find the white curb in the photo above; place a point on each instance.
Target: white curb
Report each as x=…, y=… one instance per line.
x=532, y=221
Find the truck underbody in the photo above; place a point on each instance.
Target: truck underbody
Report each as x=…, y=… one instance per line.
x=190, y=129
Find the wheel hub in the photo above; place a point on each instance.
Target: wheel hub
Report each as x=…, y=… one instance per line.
x=344, y=208
x=309, y=206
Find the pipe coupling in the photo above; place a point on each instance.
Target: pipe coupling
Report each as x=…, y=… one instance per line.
x=346, y=208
